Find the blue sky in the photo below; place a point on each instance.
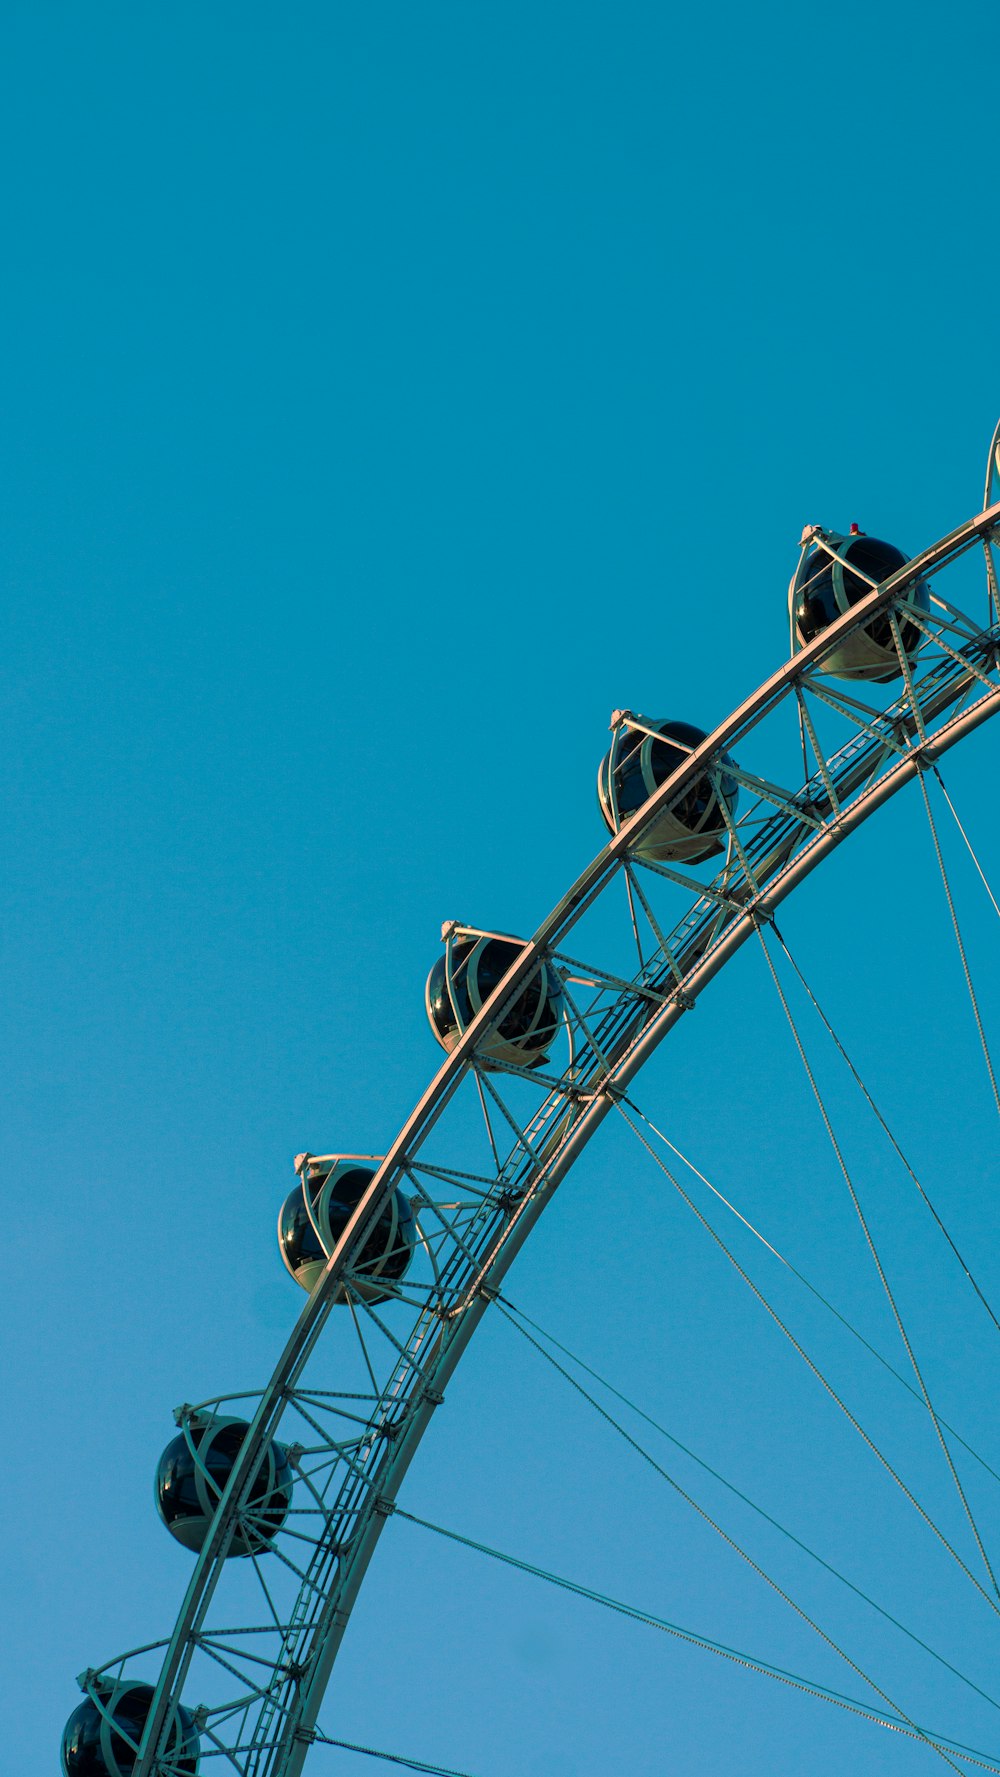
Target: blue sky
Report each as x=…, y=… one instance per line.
x=389, y=394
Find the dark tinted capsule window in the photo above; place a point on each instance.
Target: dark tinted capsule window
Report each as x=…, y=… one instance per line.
x=878, y=560
x=461, y=953
x=819, y=606
x=389, y=1250
x=298, y=1236
x=82, y=1756
x=344, y=1199
x=689, y=736
x=438, y=1000
x=667, y=759
x=518, y=1021
x=729, y=786
x=130, y=1714
x=496, y=959
x=630, y=790
x=399, y=1255
x=349, y=1189
x=445, y=1004
x=223, y=1448
x=176, y=1488
x=132, y=1724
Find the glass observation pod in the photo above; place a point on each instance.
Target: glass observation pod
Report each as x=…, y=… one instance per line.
x=472, y=967
x=836, y=572
x=193, y=1471
x=101, y=1738
x=314, y=1215
x=642, y=755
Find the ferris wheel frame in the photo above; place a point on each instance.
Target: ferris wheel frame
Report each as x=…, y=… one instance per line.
x=948, y=691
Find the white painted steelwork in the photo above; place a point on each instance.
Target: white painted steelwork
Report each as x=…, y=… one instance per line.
x=353, y=1448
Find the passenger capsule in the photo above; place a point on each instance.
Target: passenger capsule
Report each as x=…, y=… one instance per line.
x=462, y=980
x=638, y=762
x=836, y=572
x=101, y=1738
x=313, y=1218
x=193, y=1471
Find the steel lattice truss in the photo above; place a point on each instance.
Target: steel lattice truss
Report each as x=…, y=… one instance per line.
x=486, y=1147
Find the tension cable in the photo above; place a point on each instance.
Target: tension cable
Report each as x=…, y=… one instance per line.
x=505, y=1303
x=801, y=1277
x=897, y=1723
x=714, y=1525
x=817, y=1372
x=968, y=841
x=958, y=938
x=884, y=1125
x=869, y=1238
x=389, y=1758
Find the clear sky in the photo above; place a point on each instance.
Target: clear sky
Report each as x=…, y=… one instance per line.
x=389, y=393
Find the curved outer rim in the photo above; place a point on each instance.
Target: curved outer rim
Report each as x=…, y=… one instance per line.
x=453, y=1342
x=992, y=465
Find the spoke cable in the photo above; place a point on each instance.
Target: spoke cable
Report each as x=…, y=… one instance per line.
x=710, y=1521
x=729, y=1485
x=900, y=1724
x=873, y=1249
x=389, y=1758
x=817, y=1372
x=968, y=841
x=801, y=1277
x=884, y=1125
x=958, y=938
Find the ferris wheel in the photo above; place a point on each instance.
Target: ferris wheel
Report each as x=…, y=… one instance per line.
x=281, y=1495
